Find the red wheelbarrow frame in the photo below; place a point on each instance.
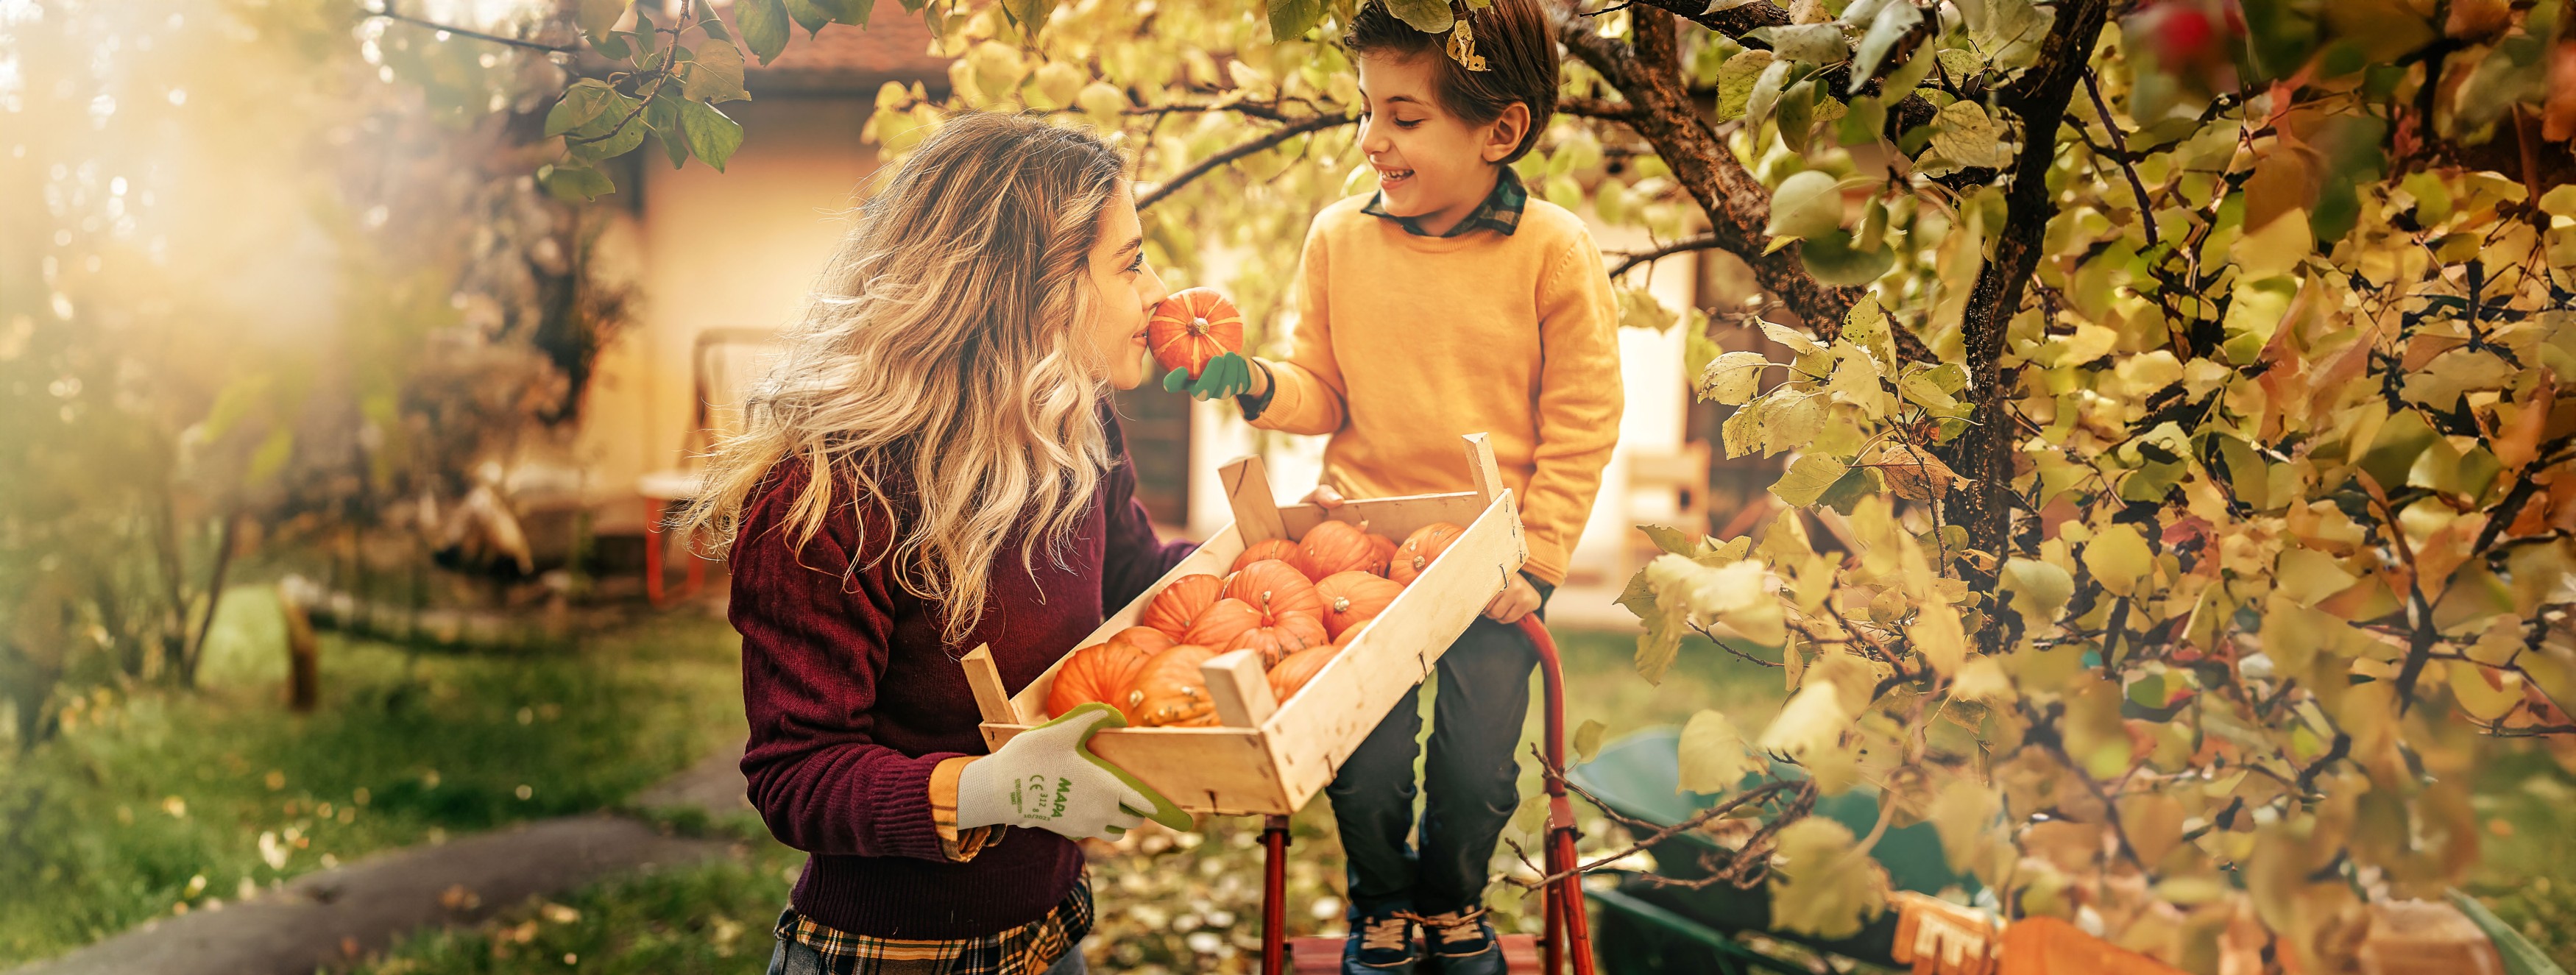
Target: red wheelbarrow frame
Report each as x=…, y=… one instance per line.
x=1567, y=930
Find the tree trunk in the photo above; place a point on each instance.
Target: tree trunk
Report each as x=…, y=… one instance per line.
x=303, y=651
x=1984, y=454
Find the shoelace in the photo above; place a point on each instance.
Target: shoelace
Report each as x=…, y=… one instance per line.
x=1386, y=933
x=1454, y=927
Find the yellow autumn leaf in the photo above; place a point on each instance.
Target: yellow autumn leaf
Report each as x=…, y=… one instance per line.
x=1713, y=756
x=2481, y=700
x=1822, y=883
x=2119, y=559
x=1813, y=721
x=1938, y=636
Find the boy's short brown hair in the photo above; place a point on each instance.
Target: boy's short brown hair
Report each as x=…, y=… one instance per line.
x=1510, y=35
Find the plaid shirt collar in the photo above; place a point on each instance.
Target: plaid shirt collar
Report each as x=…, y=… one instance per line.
x=1500, y=211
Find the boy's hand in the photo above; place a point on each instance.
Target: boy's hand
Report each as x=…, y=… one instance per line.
x=1516, y=600
x=1226, y=375
x=1323, y=496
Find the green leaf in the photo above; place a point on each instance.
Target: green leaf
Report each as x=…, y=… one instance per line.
x=2521, y=957
x=1030, y=15
x=715, y=75
x=1587, y=739
x=1427, y=16
x=618, y=142
x=612, y=46
x=271, y=456
x=1848, y=490
x=1807, y=204
x=712, y=135
x=1291, y=19
x=596, y=17
x=1797, y=111
x=1712, y=755
x=1766, y=92
x=1639, y=597
x=1732, y=378
x=809, y=16
x=2038, y=589
x=1735, y=81
x=1833, y=259
x=851, y=12
x=1808, y=478
x=1672, y=540
x=1816, y=44
x=1891, y=25
x=575, y=184
x=581, y=105
x=662, y=115
x=764, y=27
x=708, y=21
x=1966, y=135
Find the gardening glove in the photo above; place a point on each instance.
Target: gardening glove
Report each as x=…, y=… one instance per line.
x=1226, y=375
x=1048, y=779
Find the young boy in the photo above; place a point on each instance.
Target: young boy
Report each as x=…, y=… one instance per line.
x=1447, y=303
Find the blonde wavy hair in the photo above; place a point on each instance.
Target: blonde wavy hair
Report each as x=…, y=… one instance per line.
x=942, y=348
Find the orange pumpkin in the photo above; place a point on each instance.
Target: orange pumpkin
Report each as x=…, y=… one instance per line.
x=1290, y=675
x=1284, y=634
x=1222, y=622
x=1193, y=326
x=1105, y=671
x=1280, y=549
x=1338, y=546
x=1170, y=690
x=1180, y=603
x=1274, y=587
x=1385, y=551
x=1420, y=549
x=1353, y=598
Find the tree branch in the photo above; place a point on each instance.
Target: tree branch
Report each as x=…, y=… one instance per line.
x=1737, y=205
x=1984, y=453
x=389, y=13
x=1210, y=164
x=1596, y=108
x=1630, y=262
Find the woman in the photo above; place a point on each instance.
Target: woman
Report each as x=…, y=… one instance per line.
x=933, y=467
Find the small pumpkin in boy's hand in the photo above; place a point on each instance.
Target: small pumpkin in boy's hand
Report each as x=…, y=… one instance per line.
x=1420, y=549
x=1193, y=326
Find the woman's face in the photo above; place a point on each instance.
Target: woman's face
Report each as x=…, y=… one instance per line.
x=1128, y=291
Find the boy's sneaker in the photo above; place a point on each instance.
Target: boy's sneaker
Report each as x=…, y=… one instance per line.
x=1462, y=943
x=1380, y=943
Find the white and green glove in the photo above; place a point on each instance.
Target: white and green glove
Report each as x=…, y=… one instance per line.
x=1047, y=779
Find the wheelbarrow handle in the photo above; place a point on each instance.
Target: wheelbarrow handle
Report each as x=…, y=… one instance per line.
x=1569, y=930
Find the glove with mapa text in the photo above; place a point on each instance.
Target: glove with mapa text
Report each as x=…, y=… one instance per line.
x=1046, y=779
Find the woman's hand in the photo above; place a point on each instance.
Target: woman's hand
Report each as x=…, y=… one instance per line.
x=1515, y=601
x=1046, y=779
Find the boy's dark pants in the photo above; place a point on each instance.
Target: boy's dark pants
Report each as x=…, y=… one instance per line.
x=1472, y=776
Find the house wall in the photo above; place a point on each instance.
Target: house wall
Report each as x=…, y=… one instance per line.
x=732, y=249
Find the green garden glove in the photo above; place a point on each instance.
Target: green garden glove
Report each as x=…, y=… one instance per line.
x=1047, y=778
x=1226, y=375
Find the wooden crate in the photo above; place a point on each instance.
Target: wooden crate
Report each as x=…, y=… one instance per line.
x=1265, y=758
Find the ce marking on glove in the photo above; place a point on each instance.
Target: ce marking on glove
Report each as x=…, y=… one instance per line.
x=1032, y=799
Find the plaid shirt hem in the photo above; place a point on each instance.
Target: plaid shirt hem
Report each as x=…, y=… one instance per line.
x=959, y=845
x=1025, y=950
x=1499, y=211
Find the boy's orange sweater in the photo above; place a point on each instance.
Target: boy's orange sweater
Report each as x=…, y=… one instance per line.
x=1405, y=343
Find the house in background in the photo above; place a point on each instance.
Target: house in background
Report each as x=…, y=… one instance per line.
x=726, y=260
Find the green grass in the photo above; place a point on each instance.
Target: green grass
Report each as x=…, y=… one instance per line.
x=155, y=802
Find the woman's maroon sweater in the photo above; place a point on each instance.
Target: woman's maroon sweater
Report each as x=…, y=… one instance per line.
x=853, y=698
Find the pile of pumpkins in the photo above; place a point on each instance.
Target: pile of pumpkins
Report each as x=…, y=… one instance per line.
x=1296, y=604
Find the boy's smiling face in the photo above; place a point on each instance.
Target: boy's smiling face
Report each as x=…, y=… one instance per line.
x=1432, y=165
